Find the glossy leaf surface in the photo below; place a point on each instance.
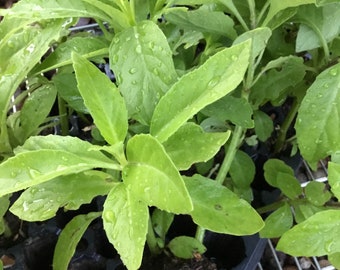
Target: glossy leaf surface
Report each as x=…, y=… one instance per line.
x=126, y=222
x=217, y=77
x=322, y=230
x=190, y=144
x=218, y=209
x=141, y=59
x=69, y=239
x=317, y=126
x=42, y=201
x=152, y=176
x=103, y=100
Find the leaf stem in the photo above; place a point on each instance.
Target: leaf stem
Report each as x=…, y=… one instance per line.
x=263, y=11
x=63, y=116
x=251, y=4
x=151, y=240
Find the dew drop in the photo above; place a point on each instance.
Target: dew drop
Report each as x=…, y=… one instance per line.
x=214, y=81
x=33, y=173
x=333, y=72
x=14, y=174
x=138, y=49
x=10, y=44
x=320, y=95
x=152, y=45
x=132, y=70
x=134, y=82
x=136, y=35
x=114, y=58
x=115, y=40
x=128, y=39
x=234, y=57
x=155, y=71
x=328, y=246
x=64, y=158
x=147, y=189
x=110, y=216
x=25, y=206
x=326, y=85
x=33, y=190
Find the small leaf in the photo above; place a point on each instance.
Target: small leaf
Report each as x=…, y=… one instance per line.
x=242, y=177
x=289, y=185
x=263, y=125
x=278, y=222
x=102, y=98
x=317, y=193
x=317, y=125
x=42, y=201
x=126, y=224
x=152, y=176
x=69, y=238
x=272, y=167
x=161, y=222
x=185, y=247
x=304, y=210
x=316, y=236
x=190, y=144
x=217, y=77
x=218, y=209
x=141, y=59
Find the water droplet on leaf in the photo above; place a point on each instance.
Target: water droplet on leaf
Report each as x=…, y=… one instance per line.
x=333, y=72
x=33, y=173
x=138, y=49
x=214, y=81
x=110, y=216
x=132, y=70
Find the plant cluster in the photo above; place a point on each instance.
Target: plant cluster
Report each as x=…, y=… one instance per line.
x=190, y=77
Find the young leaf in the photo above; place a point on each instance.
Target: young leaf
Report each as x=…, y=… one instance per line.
x=42, y=201
x=317, y=193
x=317, y=126
x=203, y=20
x=141, y=59
x=102, y=98
x=161, y=222
x=278, y=222
x=152, y=176
x=126, y=223
x=185, y=247
x=217, y=77
x=304, y=210
x=334, y=178
x=69, y=238
x=263, y=125
x=316, y=236
x=218, y=209
x=190, y=144
x=242, y=177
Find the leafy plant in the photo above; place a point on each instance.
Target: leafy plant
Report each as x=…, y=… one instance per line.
x=187, y=77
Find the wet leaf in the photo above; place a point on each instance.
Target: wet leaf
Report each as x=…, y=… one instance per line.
x=218, y=209
x=217, y=77
x=97, y=89
x=186, y=247
x=42, y=201
x=152, y=176
x=317, y=124
x=69, y=238
x=126, y=224
x=278, y=222
x=316, y=236
x=141, y=59
x=317, y=193
x=190, y=144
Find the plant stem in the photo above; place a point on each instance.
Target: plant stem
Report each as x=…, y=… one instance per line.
x=152, y=240
x=251, y=4
x=285, y=126
x=63, y=116
x=263, y=10
x=270, y=207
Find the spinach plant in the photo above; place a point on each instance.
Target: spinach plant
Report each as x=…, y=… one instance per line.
x=189, y=74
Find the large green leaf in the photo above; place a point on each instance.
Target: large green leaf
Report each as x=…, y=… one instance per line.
x=317, y=24
x=69, y=238
x=218, y=209
x=42, y=201
x=102, y=98
x=141, y=59
x=203, y=20
x=317, y=125
x=126, y=223
x=190, y=144
x=316, y=236
x=217, y=77
x=152, y=176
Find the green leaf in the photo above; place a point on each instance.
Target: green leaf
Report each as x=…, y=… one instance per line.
x=161, y=222
x=317, y=125
x=102, y=98
x=186, y=247
x=88, y=47
x=278, y=222
x=50, y=157
x=304, y=210
x=273, y=81
x=141, y=59
x=242, y=177
x=217, y=77
x=322, y=230
x=259, y=38
x=36, y=108
x=334, y=178
x=69, y=238
x=126, y=224
x=317, y=24
x=218, y=209
x=317, y=193
x=42, y=201
x=335, y=259
x=325, y=2
x=152, y=176
x=263, y=125
x=224, y=109
x=66, y=85
x=4, y=204
x=203, y=20
x=190, y=144
x=277, y=5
